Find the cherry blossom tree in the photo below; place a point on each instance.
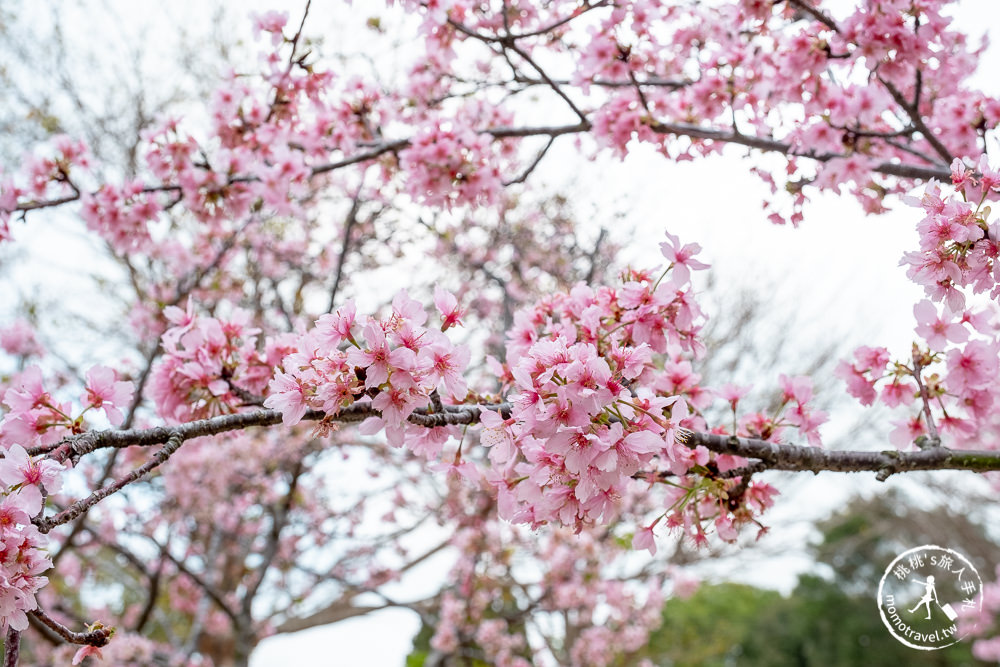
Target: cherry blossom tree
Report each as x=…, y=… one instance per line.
x=549, y=400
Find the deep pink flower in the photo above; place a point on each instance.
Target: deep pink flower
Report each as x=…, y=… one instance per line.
x=447, y=305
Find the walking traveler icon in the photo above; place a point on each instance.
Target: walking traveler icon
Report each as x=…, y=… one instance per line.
x=929, y=594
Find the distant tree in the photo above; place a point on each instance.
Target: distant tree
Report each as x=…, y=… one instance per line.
x=826, y=620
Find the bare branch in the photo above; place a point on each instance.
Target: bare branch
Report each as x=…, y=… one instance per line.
x=97, y=637
x=935, y=438
x=885, y=463
x=279, y=517
x=534, y=163
x=769, y=145
x=352, y=220
x=81, y=506
x=816, y=14
x=913, y=111
x=776, y=456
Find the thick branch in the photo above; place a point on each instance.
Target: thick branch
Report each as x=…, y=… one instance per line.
x=885, y=463
x=332, y=613
x=765, y=144
x=12, y=647
x=81, y=506
x=776, y=456
x=215, y=595
x=769, y=145
x=279, y=518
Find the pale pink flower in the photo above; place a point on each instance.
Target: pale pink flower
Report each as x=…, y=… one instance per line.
x=971, y=367
x=733, y=393
x=106, y=392
x=288, y=397
x=85, y=652
x=644, y=539
x=938, y=330
x=333, y=329
x=17, y=468
x=797, y=389
x=682, y=257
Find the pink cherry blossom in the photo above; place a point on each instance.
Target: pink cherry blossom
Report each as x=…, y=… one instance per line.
x=682, y=257
x=105, y=391
x=17, y=468
x=937, y=330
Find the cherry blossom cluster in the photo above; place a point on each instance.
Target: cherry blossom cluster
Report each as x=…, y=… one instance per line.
x=588, y=583
x=450, y=163
x=948, y=391
x=45, y=176
x=20, y=340
x=122, y=214
x=720, y=493
x=586, y=413
x=720, y=498
x=210, y=366
x=793, y=410
x=35, y=418
x=24, y=482
x=602, y=387
x=959, y=245
x=834, y=84
x=948, y=383
x=599, y=389
x=395, y=364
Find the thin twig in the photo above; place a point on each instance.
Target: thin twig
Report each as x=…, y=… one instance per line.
x=935, y=437
x=81, y=506
x=913, y=111
x=98, y=637
x=352, y=220
x=816, y=14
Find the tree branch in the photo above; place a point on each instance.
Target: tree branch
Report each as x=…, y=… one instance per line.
x=351, y=221
x=913, y=111
x=816, y=14
x=97, y=637
x=769, y=145
x=81, y=506
x=776, y=456
x=12, y=647
x=885, y=463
